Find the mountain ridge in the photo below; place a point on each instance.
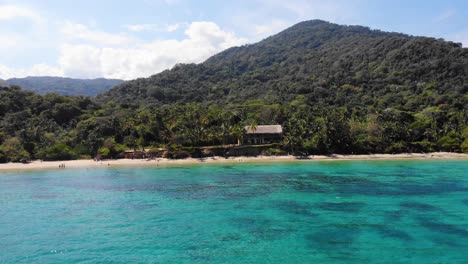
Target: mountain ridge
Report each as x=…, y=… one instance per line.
x=312, y=58
x=65, y=85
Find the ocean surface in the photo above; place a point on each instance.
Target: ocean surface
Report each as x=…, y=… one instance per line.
x=314, y=212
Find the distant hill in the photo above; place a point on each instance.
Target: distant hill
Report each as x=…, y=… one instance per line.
x=65, y=86
x=327, y=63
x=3, y=83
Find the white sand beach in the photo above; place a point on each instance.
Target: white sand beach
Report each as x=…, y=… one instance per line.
x=38, y=165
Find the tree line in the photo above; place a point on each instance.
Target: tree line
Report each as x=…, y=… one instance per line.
x=54, y=127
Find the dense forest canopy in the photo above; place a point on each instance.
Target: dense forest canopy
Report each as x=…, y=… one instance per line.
x=335, y=89
x=319, y=60
x=65, y=86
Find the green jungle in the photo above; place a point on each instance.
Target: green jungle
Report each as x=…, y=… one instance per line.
x=333, y=88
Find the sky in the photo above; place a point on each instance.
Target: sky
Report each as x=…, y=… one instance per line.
x=128, y=39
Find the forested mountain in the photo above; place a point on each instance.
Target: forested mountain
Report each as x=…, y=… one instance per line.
x=326, y=63
x=65, y=86
x=334, y=89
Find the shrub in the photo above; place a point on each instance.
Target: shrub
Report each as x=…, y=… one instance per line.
x=174, y=147
x=57, y=152
x=14, y=150
x=104, y=152
x=398, y=147
x=274, y=152
x=464, y=146
x=3, y=157
x=425, y=146
x=180, y=154
x=449, y=143
x=111, y=149
x=155, y=153
x=193, y=151
x=81, y=149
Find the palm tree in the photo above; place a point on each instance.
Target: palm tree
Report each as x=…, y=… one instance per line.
x=238, y=132
x=253, y=125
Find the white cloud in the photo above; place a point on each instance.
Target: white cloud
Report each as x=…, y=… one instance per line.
x=160, y=2
x=87, y=53
x=173, y=27
x=73, y=31
x=209, y=33
x=154, y=27
x=446, y=15
x=171, y=2
x=23, y=34
x=80, y=60
x=35, y=70
x=202, y=40
x=273, y=27
x=45, y=70
x=143, y=27
x=11, y=41
x=10, y=12
x=262, y=18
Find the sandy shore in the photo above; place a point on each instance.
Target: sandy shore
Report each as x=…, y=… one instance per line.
x=38, y=165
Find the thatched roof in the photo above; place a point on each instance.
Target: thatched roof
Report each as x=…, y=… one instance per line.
x=265, y=129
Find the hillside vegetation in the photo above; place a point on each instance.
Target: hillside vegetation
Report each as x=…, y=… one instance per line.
x=350, y=66
x=335, y=89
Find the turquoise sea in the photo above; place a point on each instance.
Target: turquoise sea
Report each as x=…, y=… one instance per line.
x=305, y=212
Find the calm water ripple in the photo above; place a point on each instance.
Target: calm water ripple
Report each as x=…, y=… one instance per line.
x=318, y=212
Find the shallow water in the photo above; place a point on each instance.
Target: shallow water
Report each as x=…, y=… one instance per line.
x=317, y=212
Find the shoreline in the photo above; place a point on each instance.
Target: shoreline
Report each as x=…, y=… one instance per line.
x=73, y=164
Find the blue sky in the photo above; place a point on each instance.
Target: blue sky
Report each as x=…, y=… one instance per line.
x=138, y=38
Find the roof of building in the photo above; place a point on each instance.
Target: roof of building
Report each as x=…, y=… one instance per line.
x=132, y=151
x=265, y=129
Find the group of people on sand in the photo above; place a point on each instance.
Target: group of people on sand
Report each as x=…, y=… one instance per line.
x=62, y=165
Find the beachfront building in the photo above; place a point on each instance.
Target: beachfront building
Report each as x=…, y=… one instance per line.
x=263, y=134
